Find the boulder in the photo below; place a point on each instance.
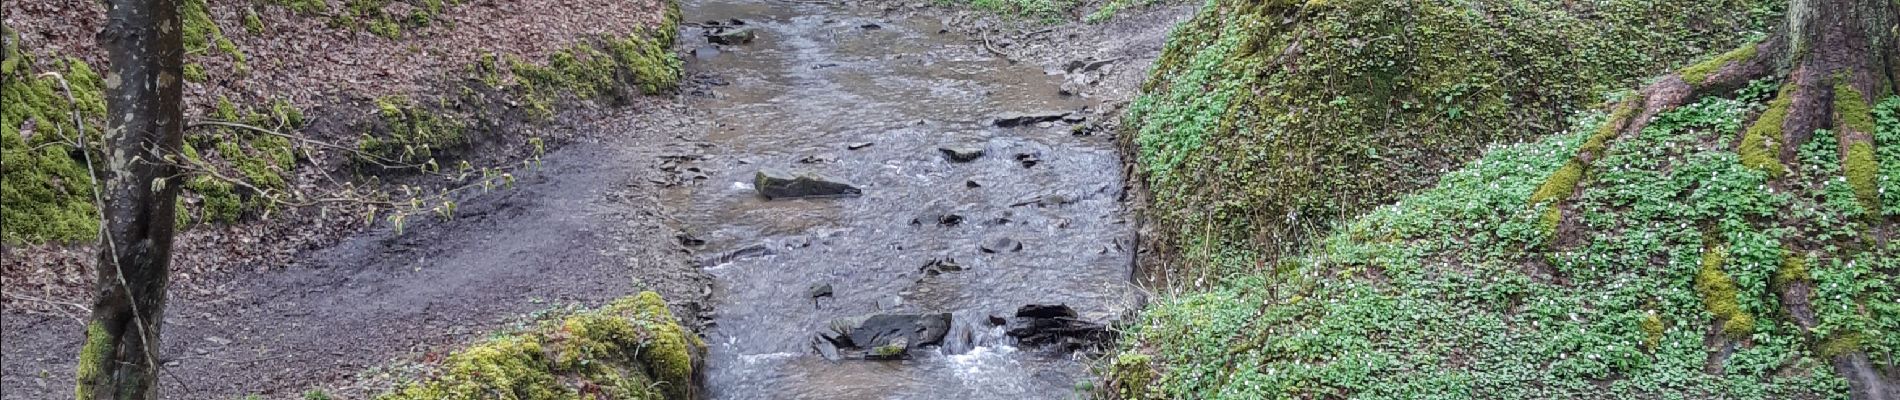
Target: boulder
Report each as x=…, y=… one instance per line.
x=1056, y=327
x=775, y=184
x=883, y=336
x=961, y=153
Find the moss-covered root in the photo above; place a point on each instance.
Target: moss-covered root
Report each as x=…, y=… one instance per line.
x=1854, y=118
x=633, y=348
x=1718, y=292
x=1759, y=147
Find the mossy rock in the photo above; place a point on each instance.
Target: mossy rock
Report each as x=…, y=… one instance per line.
x=632, y=348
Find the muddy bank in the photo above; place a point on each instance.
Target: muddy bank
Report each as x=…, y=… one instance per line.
x=584, y=227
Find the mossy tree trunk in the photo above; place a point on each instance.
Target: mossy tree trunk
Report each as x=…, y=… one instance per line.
x=1834, y=59
x=138, y=190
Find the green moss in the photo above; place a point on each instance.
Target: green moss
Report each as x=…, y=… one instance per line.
x=629, y=349
x=260, y=160
x=195, y=72
x=1561, y=183
x=1130, y=377
x=202, y=34
x=252, y=23
x=1843, y=343
x=1550, y=220
x=45, y=189
x=98, y=347
x=1852, y=109
x=1652, y=326
x=1601, y=137
x=1794, y=269
x=1758, y=147
x=1696, y=73
x=304, y=6
x=1863, y=174
x=411, y=133
x=385, y=27
x=372, y=16
x=1718, y=292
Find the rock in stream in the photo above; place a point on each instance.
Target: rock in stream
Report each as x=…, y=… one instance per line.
x=776, y=184
x=882, y=336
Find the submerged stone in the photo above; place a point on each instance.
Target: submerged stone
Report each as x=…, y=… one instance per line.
x=731, y=36
x=1000, y=244
x=776, y=184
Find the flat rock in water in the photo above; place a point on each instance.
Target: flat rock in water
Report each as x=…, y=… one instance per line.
x=776, y=184
x=1008, y=120
x=961, y=153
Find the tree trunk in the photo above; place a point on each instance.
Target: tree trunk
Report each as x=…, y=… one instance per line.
x=145, y=49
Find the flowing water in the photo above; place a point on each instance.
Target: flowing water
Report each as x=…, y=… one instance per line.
x=817, y=84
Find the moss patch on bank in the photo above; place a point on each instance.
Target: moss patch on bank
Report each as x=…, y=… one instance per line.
x=45, y=188
x=409, y=131
x=1265, y=120
x=1455, y=291
x=632, y=348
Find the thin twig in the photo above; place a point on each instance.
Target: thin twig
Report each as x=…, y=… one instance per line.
x=992, y=48
x=50, y=302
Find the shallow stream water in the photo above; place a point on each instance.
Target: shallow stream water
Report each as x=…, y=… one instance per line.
x=868, y=97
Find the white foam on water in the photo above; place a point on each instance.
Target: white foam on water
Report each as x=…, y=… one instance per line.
x=766, y=357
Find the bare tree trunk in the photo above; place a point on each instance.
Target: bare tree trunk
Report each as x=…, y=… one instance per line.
x=145, y=49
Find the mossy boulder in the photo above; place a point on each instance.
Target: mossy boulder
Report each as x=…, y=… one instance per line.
x=1265, y=120
x=632, y=348
x=1673, y=278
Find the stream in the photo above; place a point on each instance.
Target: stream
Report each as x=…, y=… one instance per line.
x=869, y=97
